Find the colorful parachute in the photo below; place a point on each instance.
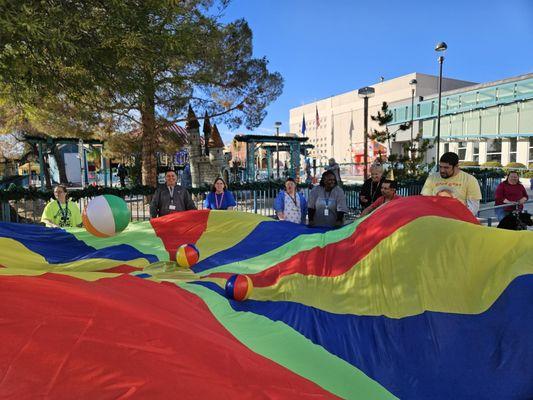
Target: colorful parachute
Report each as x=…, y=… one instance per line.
x=416, y=301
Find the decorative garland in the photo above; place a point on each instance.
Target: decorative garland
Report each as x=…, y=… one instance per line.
x=19, y=193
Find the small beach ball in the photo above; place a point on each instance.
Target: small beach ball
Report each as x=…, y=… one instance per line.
x=239, y=287
x=187, y=255
x=106, y=216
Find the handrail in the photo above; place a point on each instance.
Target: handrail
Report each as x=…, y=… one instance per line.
x=516, y=204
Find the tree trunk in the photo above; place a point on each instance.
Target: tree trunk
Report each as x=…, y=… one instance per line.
x=149, y=137
x=60, y=164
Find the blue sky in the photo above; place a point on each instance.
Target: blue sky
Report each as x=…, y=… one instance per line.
x=327, y=47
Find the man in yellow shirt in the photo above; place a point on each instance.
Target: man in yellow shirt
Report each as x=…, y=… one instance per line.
x=450, y=181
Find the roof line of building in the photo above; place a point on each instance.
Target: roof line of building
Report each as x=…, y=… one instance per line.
x=373, y=85
x=481, y=85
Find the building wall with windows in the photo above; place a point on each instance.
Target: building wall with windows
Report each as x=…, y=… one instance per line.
x=338, y=132
x=485, y=122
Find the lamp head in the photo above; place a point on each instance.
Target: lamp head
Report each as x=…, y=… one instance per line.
x=366, y=91
x=441, y=46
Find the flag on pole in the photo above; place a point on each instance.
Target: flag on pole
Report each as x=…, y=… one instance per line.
x=303, y=126
x=317, y=118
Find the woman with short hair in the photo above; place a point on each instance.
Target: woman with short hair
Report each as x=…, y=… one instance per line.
x=291, y=205
x=327, y=203
x=371, y=189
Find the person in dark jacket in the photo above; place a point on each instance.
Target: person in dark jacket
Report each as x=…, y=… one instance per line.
x=170, y=198
x=371, y=189
x=122, y=172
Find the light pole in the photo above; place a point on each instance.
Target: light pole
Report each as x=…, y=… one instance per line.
x=365, y=93
x=438, y=48
x=412, y=83
x=277, y=124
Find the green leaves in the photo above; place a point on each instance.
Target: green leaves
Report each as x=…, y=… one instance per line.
x=131, y=59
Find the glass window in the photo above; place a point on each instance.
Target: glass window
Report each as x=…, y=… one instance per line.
x=512, y=150
x=531, y=149
x=494, y=150
x=494, y=146
x=468, y=99
x=475, y=152
x=445, y=148
x=462, y=151
x=512, y=143
x=453, y=102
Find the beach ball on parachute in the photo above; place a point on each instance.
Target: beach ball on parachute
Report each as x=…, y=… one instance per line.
x=239, y=287
x=106, y=216
x=187, y=255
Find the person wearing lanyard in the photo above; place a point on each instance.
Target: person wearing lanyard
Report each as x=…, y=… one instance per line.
x=61, y=212
x=170, y=198
x=219, y=198
x=327, y=203
x=291, y=205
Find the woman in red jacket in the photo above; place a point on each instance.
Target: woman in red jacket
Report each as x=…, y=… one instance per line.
x=510, y=191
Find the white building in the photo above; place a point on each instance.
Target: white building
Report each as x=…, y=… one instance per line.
x=340, y=130
x=486, y=122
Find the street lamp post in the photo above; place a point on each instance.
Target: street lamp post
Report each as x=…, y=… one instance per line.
x=277, y=124
x=438, y=48
x=365, y=93
x=412, y=83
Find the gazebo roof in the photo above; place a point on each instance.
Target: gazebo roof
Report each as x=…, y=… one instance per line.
x=270, y=139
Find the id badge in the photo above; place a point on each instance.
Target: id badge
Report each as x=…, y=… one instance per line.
x=172, y=207
x=326, y=212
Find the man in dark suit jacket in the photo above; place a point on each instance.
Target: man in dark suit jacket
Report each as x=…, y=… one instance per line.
x=170, y=198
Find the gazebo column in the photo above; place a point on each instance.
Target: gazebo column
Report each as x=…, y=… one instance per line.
x=250, y=161
x=269, y=162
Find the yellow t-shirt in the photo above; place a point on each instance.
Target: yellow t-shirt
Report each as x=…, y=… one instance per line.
x=463, y=186
x=64, y=216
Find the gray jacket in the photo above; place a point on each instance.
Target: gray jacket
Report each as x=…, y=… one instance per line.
x=162, y=201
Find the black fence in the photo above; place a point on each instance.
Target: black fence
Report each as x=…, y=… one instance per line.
x=15, y=207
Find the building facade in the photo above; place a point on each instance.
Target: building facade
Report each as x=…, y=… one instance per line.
x=487, y=122
x=335, y=125
x=481, y=122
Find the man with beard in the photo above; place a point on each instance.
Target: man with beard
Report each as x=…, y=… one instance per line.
x=450, y=181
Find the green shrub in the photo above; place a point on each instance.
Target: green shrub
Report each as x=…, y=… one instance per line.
x=468, y=164
x=492, y=164
x=515, y=165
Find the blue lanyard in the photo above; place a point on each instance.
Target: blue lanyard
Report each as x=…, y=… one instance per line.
x=326, y=199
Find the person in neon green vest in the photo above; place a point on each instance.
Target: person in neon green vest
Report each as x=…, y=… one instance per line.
x=61, y=212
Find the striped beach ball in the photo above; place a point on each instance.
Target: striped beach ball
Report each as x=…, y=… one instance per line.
x=239, y=287
x=187, y=255
x=106, y=216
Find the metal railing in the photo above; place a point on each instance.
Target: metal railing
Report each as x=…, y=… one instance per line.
x=489, y=218
x=254, y=201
